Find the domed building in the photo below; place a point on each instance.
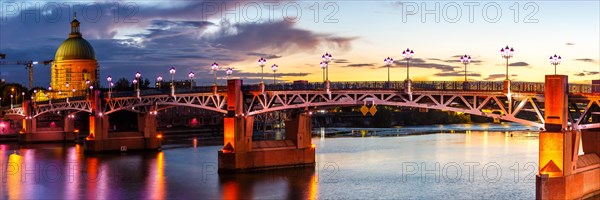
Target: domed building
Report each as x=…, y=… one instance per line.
x=74, y=63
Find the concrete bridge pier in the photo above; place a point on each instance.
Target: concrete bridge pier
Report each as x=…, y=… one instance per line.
x=31, y=133
x=563, y=173
x=241, y=153
x=100, y=140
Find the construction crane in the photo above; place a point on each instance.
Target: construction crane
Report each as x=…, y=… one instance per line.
x=28, y=65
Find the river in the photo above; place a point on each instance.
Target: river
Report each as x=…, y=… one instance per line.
x=446, y=164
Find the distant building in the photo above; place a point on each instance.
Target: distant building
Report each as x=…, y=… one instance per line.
x=74, y=63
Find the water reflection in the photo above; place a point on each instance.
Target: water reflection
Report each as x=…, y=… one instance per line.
x=348, y=168
x=296, y=183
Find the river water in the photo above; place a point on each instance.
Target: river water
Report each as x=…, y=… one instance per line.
x=459, y=165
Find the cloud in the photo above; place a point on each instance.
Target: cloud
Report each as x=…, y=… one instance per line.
x=278, y=36
x=589, y=60
x=360, y=65
x=264, y=55
x=586, y=73
x=179, y=35
x=340, y=61
x=420, y=63
x=458, y=74
x=519, y=64
x=494, y=77
x=569, y=43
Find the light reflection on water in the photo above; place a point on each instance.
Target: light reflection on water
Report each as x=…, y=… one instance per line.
x=420, y=166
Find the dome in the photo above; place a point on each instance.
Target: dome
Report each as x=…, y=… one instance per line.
x=75, y=48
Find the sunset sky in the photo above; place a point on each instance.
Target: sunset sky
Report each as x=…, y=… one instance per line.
x=152, y=36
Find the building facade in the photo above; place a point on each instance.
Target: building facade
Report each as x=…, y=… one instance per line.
x=74, y=63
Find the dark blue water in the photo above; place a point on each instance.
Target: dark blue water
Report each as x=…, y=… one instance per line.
x=476, y=164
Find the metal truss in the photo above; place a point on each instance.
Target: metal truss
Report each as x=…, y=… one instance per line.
x=488, y=104
x=15, y=111
x=208, y=101
x=80, y=105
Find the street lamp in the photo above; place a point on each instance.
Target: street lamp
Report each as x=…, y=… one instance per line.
x=137, y=77
x=11, y=101
x=261, y=63
x=50, y=94
x=323, y=66
x=388, y=62
x=159, y=81
x=172, y=72
x=109, y=79
x=408, y=54
x=23, y=96
x=555, y=60
x=465, y=60
x=214, y=67
x=191, y=75
x=327, y=58
x=274, y=67
x=135, y=81
x=87, y=83
x=229, y=71
x=507, y=53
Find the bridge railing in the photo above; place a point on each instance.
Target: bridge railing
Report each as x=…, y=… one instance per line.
x=533, y=87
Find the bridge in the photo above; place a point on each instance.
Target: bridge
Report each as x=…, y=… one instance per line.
x=565, y=113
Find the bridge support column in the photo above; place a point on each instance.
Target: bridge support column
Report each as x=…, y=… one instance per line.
x=563, y=174
x=240, y=153
x=506, y=87
x=29, y=123
x=147, y=125
x=69, y=128
x=408, y=88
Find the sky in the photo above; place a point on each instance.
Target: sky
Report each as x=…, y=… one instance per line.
x=152, y=36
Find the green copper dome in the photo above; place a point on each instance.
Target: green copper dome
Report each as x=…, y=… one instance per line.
x=75, y=47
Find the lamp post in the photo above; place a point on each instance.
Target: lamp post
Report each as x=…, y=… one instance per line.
x=408, y=54
x=191, y=76
x=172, y=72
x=323, y=66
x=274, y=67
x=50, y=94
x=87, y=83
x=229, y=71
x=109, y=79
x=388, y=62
x=214, y=67
x=507, y=52
x=555, y=60
x=327, y=58
x=261, y=63
x=22, y=97
x=137, y=77
x=159, y=81
x=135, y=81
x=465, y=60
x=11, y=101
x=67, y=91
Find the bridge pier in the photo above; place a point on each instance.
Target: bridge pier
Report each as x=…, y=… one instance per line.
x=99, y=140
x=241, y=153
x=563, y=173
x=31, y=133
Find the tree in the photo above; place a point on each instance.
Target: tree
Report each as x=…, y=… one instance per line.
x=122, y=85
